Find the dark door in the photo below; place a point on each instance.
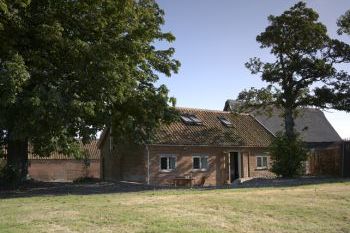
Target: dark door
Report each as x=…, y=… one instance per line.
x=234, y=166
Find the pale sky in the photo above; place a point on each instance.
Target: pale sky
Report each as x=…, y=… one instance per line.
x=214, y=38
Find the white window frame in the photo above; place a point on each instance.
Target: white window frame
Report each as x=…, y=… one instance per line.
x=262, y=161
x=200, y=156
x=168, y=162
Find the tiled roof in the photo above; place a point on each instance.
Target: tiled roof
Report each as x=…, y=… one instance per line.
x=245, y=131
x=311, y=123
x=91, y=149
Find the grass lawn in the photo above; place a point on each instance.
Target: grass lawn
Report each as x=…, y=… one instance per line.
x=312, y=208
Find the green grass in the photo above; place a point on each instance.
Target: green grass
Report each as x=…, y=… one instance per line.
x=313, y=208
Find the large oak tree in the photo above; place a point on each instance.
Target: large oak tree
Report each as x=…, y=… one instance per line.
x=68, y=67
x=300, y=46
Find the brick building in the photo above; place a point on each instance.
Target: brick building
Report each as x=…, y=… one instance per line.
x=208, y=147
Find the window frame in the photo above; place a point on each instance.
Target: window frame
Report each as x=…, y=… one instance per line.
x=191, y=119
x=186, y=119
x=200, y=156
x=167, y=156
x=195, y=119
x=226, y=122
x=262, y=167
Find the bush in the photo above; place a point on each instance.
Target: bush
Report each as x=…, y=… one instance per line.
x=9, y=177
x=287, y=155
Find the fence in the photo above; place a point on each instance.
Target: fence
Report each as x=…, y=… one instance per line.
x=346, y=159
x=326, y=161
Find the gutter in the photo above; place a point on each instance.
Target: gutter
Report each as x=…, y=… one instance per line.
x=148, y=163
x=343, y=163
x=110, y=140
x=194, y=145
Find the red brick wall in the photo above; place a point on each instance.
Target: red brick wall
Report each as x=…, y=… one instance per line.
x=110, y=162
x=129, y=163
x=217, y=174
x=62, y=170
x=253, y=170
x=125, y=162
x=132, y=160
x=184, y=164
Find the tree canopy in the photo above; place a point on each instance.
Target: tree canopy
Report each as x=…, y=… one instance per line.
x=337, y=93
x=68, y=67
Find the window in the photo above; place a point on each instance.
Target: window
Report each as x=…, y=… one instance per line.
x=167, y=162
x=190, y=119
x=225, y=121
x=186, y=119
x=195, y=120
x=200, y=162
x=261, y=162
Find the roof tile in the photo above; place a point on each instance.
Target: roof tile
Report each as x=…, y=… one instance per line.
x=246, y=131
x=91, y=149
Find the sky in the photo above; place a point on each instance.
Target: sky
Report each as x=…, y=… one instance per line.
x=214, y=38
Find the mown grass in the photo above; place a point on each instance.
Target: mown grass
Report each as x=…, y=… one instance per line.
x=313, y=208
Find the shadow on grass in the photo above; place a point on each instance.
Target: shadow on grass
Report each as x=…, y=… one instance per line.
x=34, y=189
x=37, y=189
x=285, y=183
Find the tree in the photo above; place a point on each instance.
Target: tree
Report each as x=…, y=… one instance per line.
x=303, y=59
x=299, y=43
x=337, y=93
x=67, y=67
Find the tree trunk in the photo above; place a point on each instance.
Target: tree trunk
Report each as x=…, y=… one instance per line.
x=289, y=123
x=17, y=159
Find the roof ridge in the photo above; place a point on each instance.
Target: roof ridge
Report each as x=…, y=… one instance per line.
x=209, y=110
x=311, y=108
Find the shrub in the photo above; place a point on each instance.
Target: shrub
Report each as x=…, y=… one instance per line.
x=287, y=155
x=9, y=177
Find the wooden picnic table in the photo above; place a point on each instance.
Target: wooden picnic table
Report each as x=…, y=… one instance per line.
x=183, y=180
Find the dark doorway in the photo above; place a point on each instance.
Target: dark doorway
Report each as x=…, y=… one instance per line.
x=234, y=168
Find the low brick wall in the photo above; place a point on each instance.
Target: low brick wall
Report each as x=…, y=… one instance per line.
x=62, y=169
